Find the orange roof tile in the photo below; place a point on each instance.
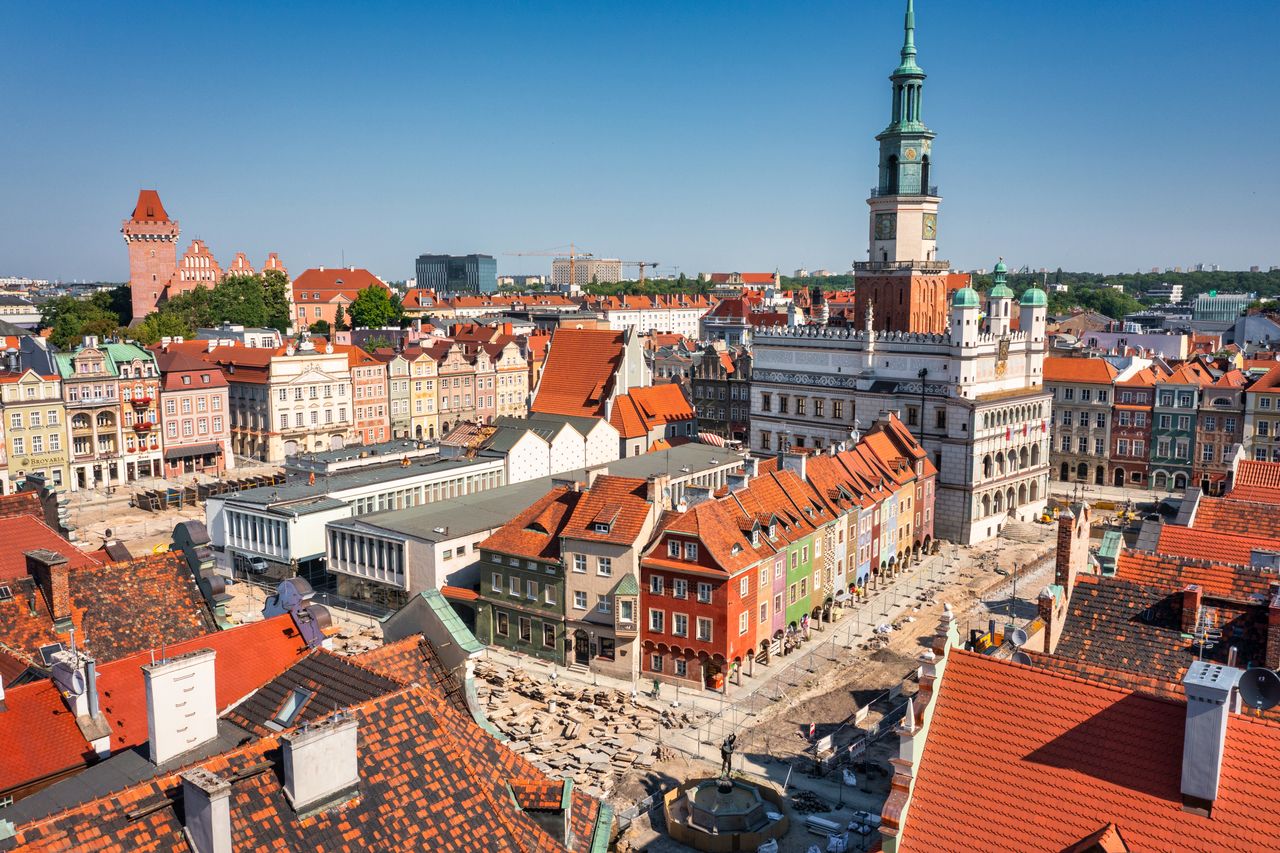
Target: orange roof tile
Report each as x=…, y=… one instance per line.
x=1096, y=370
x=1216, y=577
x=149, y=208
x=1206, y=544
x=535, y=533
x=1256, y=481
x=617, y=501
x=1235, y=516
x=1021, y=758
x=22, y=533
x=580, y=370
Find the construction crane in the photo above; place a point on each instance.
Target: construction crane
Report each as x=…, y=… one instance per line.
x=558, y=252
x=641, y=265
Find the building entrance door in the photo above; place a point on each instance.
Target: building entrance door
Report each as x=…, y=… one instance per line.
x=581, y=647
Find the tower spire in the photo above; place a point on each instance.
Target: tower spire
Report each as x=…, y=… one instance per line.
x=909, y=40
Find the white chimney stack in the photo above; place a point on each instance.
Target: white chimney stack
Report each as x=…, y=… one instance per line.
x=1211, y=697
x=321, y=764
x=182, y=704
x=206, y=800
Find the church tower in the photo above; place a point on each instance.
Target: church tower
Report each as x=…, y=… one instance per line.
x=152, y=238
x=902, y=273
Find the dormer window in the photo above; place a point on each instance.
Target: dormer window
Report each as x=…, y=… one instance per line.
x=601, y=527
x=673, y=548
x=755, y=538
x=773, y=531
x=690, y=550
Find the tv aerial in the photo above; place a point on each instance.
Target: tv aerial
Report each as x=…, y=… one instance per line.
x=1260, y=688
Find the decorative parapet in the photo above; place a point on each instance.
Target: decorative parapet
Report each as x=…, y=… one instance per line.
x=913, y=731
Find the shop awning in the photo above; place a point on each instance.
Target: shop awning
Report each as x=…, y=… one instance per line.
x=192, y=450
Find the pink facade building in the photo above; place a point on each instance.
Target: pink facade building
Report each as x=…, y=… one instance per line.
x=369, y=390
x=194, y=420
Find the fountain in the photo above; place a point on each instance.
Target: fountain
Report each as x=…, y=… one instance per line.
x=724, y=814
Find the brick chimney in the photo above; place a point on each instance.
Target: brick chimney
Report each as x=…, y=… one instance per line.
x=1192, y=597
x=1072, y=555
x=49, y=569
x=1271, y=657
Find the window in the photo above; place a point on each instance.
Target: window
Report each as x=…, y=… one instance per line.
x=513, y=586
x=1124, y=419
x=782, y=403
x=1162, y=448
x=37, y=444
x=1100, y=420
x=1068, y=393
x=691, y=551
x=681, y=666
x=1099, y=447
x=655, y=584
x=656, y=618
x=704, y=629
x=18, y=446
x=766, y=402
x=604, y=567
x=777, y=603
x=1086, y=395
x=655, y=663
x=743, y=621
x=764, y=612
x=495, y=582
x=673, y=548
x=579, y=600
x=679, y=588
x=625, y=610
x=837, y=409
x=1139, y=447
x=1083, y=444
x=549, y=594
x=526, y=629
x=531, y=590
x=605, y=605
x=819, y=408
x=503, y=626
x=55, y=442
x=1229, y=424
x=1066, y=444
x=1206, y=452
x=15, y=420
x=1264, y=428
x=744, y=586
x=704, y=593
x=766, y=440
x=1210, y=423
x=791, y=594
x=580, y=563
x=804, y=587
x=680, y=624
x=292, y=707
x=548, y=636
x=1184, y=422
x=1166, y=398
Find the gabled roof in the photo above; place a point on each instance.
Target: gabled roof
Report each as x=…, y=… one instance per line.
x=1235, y=549
x=39, y=737
x=580, y=372
x=429, y=778
x=1226, y=515
x=1021, y=758
x=535, y=533
x=616, y=501
x=1256, y=481
x=1096, y=370
x=334, y=282
x=22, y=533
x=149, y=208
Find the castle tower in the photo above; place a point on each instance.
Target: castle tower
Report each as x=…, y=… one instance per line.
x=902, y=273
x=152, y=238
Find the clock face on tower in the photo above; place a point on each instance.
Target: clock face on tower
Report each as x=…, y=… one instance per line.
x=930, y=226
x=886, y=226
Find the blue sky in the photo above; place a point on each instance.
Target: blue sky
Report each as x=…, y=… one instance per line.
x=708, y=135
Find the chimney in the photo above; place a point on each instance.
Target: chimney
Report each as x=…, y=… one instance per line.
x=1046, y=610
x=752, y=466
x=694, y=495
x=1192, y=596
x=656, y=490
x=182, y=704
x=793, y=462
x=1211, y=697
x=1271, y=657
x=49, y=569
x=737, y=481
x=206, y=801
x=1073, y=547
x=321, y=764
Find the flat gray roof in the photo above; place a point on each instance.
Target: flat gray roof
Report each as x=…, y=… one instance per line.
x=495, y=507
x=299, y=489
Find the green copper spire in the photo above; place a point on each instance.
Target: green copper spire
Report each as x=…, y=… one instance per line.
x=909, y=42
x=906, y=144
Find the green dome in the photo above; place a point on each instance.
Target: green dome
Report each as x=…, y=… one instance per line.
x=1000, y=267
x=966, y=297
x=1034, y=296
x=1001, y=291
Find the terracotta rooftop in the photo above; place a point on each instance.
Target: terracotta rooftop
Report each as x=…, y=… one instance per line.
x=149, y=208
x=535, y=533
x=1095, y=370
x=579, y=375
x=618, y=502
x=1256, y=481
x=1023, y=759
x=414, y=660
x=1227, y=515
x=22, y=533
x=644, y=409
x=20, y=503
x=39, y=737
x=1234, y=549
x=429, y=779
x=331, y=282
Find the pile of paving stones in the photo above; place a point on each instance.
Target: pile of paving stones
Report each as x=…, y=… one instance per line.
x=593, y=735
x=807, y=802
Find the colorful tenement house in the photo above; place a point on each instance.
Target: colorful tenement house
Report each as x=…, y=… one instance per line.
x=195, y=415
x=1219, y=430
x=34, y=425
x=369, y=392
x=1081, y=389
x=1173, y=433
x=1131, y=427
x=721, y=384
x=1261, y=437
x=319, y=292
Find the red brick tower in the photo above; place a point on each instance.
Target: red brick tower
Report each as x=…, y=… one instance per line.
x=152, y=238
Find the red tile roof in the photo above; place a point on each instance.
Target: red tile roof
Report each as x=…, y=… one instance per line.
x=1225, y=515
x=579, y=375
x=744, y=277
x=1256, y=481
x=535, y=533
x=1095, y=370
x=39, y=737
x=149, y=208
x=617, y=501
x=1020, y=758
x=22, y=533
x=1206, y=544
x=1239, y=582
x=20, y=503
x=333, y=282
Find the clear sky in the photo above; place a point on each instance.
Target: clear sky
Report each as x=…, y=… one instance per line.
x=720, y=135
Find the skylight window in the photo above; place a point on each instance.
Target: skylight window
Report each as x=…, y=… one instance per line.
x=292, y=707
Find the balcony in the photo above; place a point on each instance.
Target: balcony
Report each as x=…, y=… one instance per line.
x=143, y=427
x=894, y=266
x=141, y=402
x=877, y=192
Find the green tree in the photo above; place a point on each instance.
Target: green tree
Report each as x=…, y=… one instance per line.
x=161, y=324
x=193, y=308
x=70, y=319
x=374, y=308
x=275, y=293
x=320, y=327
x=375, y=343
x=339, y=320
x=240, y=299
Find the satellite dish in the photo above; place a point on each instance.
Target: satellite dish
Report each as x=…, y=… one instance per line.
x=68, y=680
x=1022, y=658
x=1260, y=688
x=1018, y=637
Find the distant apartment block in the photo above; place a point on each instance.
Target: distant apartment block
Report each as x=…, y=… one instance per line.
x=583, y=271
x=457, y=273
x=1169, y=294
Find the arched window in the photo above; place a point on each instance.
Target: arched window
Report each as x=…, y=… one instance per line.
x=1009, y=497
x=891, y=179
x=986, y=505
x=1023, y=457
x=986, y=465
x=998, y=503
x=1000, y=463
x=924, y=175
x=1035, y=491
x=1035, y=455
x=1064, y=473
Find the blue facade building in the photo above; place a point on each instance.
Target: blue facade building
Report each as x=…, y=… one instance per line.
x=457, y=273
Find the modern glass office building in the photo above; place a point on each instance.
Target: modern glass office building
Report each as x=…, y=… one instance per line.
x=458, y=273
